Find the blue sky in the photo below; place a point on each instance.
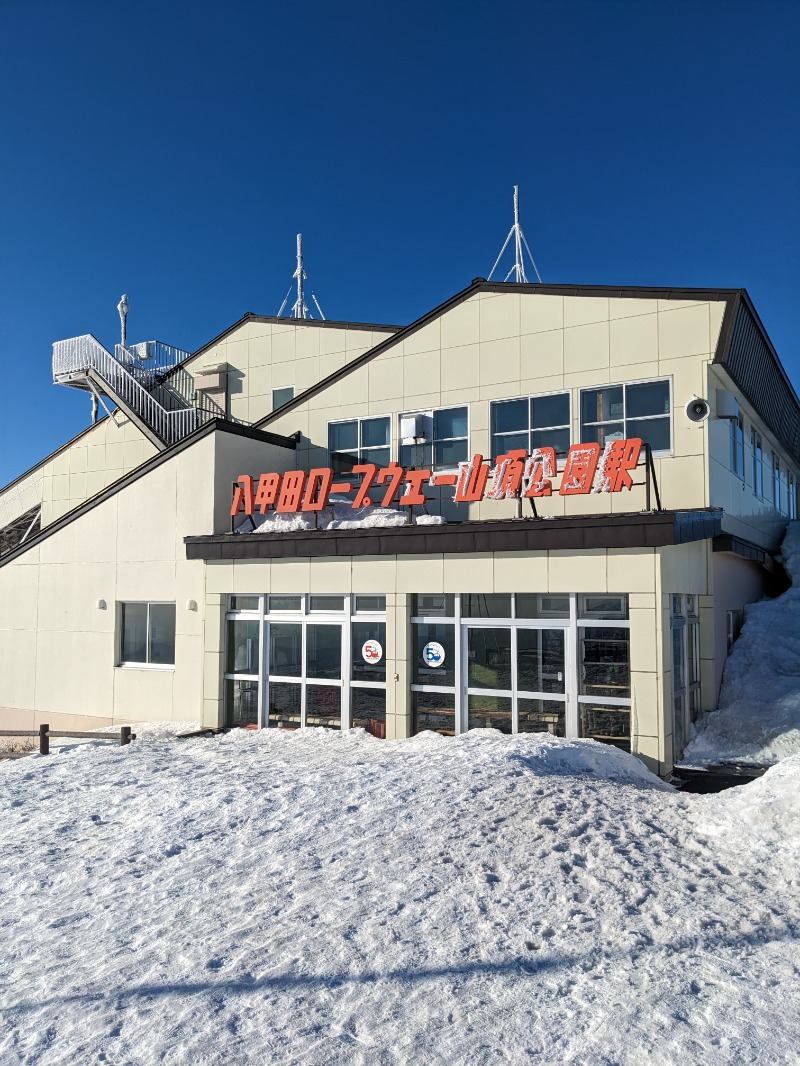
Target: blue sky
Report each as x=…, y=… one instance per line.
x=172, y=149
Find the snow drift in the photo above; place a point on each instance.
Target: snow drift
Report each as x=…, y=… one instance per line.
x=758, y=719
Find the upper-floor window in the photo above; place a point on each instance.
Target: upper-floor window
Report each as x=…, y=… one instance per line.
x=619, y=411
x=531, y=422
x=359, y=440
x=776, y=481
x=434, y=439
x=791, y=487
x=737, y=446
x=758, y=463
x=282, y=396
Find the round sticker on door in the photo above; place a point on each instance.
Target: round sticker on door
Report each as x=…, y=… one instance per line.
x=433, y=654
x=372, y=652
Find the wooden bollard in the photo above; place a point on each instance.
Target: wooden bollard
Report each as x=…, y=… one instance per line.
x=124, y=736
x=44, y=739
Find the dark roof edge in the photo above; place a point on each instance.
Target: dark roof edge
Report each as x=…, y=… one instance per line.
x=215, y=425
x=481, y=285
x=744, y=297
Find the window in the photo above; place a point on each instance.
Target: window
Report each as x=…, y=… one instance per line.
x=282, y=396
x=535, y=422
x=792, y=493
x=361, y=440
x=758, y=464
x=776, y=481
x=737, y=446
x=621, y=411
x=147, y=634
x=434, y=439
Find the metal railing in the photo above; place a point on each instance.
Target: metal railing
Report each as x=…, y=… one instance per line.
x=21, y=498
x=150, y=355
x=127, y=384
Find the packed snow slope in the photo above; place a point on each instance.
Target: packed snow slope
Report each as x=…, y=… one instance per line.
x=318, y=899
x=758, y=719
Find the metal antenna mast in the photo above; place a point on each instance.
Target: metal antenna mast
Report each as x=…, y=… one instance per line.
x=122, y=307
x=518, y=269
x=299, y=307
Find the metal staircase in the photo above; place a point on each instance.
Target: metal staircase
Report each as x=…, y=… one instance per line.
x=135, y=378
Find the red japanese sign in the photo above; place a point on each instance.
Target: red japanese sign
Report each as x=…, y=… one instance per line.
x=515, y=475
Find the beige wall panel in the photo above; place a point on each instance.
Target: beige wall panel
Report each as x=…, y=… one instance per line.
x=329, y=575
x=420, y=573
x=145, y=696
x=520, y=572
x=568, y=571
x=145, y=580
x=376, y=574
x=17, y=669
x=684, y=332
x=290, y=575
x=254, y=576
x=499, y=362
x=580, y=310
x=460, y=325
x=460, y=368
x=219, y=577
x=633, y=340
x=499, y=316
x=643, y=640
x=645, y=709
x=422, y=374
x=631, y=570
x=187, y=684
x=681, y=482
x=539, y=313
x=189, y=585
x=69, y=594
x=385, y=380
x=19, y=597
x=586, y=348
x=470, y=572
x=541, y=359
x=427, y=339
x=74, y=672
x=623, y=307
x=716, y=313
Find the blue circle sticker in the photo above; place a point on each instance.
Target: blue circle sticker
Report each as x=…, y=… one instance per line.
x=433, y=654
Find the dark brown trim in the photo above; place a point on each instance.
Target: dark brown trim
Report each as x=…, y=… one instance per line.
x=480, y=285
x=217, y=425
x=637, y=530
x=727, y=543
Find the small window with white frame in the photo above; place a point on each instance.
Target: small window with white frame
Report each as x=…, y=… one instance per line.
x=436, y=439
x=358, y=440
x=147, y=634
x=282, y=396
x=776, y=482
x=531, y=422
x=791, y=492
x=637, y=409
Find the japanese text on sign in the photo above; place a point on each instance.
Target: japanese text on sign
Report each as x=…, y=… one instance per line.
x=515, y=475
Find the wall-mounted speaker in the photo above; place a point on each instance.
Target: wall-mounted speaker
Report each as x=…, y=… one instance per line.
x=697, y=409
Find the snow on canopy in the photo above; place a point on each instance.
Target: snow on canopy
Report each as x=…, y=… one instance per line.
x=758, y=718
x=339, y=514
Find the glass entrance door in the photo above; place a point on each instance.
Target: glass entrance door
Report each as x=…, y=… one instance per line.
x=516, y=678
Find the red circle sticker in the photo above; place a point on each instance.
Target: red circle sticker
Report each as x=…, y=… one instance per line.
x=372, y=652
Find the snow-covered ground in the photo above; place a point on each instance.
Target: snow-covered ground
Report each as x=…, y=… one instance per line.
x=758, y=718
x=318, y=899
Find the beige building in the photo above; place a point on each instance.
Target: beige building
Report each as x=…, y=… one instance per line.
x=128, y=592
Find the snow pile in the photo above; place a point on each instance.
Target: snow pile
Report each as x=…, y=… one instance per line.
x=771, y=804
x=339, y=514
x=322, y=898
x=758, y=719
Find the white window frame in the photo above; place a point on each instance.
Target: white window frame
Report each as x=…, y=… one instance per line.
x=776, y=481
x=737, y=447
x=530, y=397
x=791, y=492
x=359, y=419
x=304, y=616
x=624, y=385
x=132, y=664
x=757, y=449
x=430, y=412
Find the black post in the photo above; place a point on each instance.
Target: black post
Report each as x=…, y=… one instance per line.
x=124, y=736
x=647, y=461
x=44, y=739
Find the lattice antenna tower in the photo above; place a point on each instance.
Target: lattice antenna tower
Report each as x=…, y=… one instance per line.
x=299, y=307
x=518, y=269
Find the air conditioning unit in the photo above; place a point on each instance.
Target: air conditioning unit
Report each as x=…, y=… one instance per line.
x=413, y=429
x=727, y=404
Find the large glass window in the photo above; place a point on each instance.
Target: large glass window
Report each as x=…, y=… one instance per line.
x=436, y=440
x=776, y=482
x=737, y=446
x=359, y=440
x=324, y=662
x=617, y=412
x=531, y=422
x=758, y=463
x=147, y=634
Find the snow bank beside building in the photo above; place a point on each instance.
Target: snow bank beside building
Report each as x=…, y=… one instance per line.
x=322, y=898
x=758, y=719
